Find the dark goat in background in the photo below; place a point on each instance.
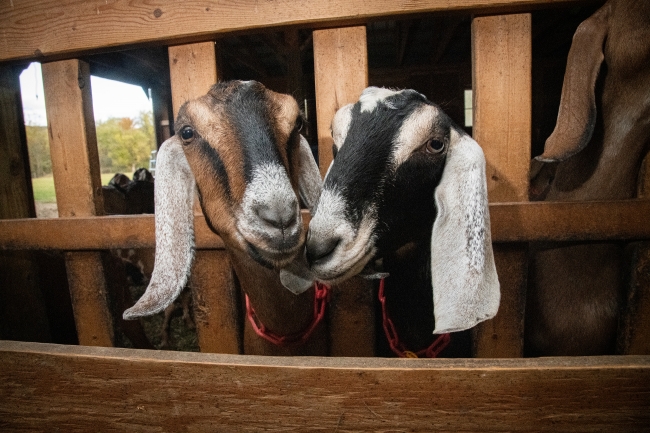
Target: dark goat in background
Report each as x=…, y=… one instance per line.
x=595, y=152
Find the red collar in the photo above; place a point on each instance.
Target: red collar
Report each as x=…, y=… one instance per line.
x=321, y=297
x=397, y=346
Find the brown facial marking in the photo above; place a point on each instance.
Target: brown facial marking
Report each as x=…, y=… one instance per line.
x=212, y=129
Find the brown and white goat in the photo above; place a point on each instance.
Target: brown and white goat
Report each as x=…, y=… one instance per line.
x=240, y=148
x=408, y=186
x=595, y=152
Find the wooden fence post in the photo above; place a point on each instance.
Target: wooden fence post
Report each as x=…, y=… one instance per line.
x=341, y=74
x=501, y=69
x=22, y=308
x=193, y=70
x=75, y=166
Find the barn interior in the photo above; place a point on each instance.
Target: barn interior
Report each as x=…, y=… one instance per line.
x=430, y=53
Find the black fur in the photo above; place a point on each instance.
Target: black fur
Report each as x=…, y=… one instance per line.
x=404, y=195
x=248, y=112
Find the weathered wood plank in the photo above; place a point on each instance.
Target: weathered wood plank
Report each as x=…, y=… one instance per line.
x=511, y=222
x=107, y=232
x=22, y=307
x=16, y=196
x=49, y=387
x=634, y=325
x=37, y=29
x=75, y=167
x=216, y=303
x=501, y=79
x=193, y=70
x=340, y=75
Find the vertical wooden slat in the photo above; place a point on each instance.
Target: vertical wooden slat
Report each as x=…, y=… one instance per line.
x=193, y=70
x=295, y=85
x=161, y=103
x=501, y=68
x=75, y=166
x=341, y=74
x=634, y=327
x=22, y=308
x=216, y=303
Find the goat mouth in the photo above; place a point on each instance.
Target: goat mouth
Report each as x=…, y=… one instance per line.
x=271, y=259
x=344, y=270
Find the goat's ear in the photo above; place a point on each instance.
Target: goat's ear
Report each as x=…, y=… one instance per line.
x=463, y=274
x=297, y=277
x=309, y=181
x=577, y=114
x=174, y=196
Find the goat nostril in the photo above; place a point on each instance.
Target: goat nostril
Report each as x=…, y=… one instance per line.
x=317, y=251
x=277, y=217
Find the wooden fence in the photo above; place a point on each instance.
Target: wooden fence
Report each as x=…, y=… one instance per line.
x=75, y=388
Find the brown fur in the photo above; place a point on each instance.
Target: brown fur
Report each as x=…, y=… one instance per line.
x=283, y=312
x=576, y=291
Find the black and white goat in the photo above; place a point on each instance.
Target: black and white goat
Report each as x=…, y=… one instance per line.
x=240, y=148
x=405, y=179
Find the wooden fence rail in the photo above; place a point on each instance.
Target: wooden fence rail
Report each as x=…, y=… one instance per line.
x=46, y=30
x=511, y=222
x=49, y=387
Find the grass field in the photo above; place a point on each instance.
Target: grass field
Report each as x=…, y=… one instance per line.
x=44, y=187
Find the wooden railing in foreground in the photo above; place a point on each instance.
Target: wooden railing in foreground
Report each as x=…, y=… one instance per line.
x=72, y=388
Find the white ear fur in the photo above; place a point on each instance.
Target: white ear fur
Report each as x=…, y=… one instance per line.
x=464, y=278
x=309, y=180
x=174, y=197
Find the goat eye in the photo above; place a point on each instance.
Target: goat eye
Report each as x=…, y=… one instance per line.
x=434, y=146
x=187, y=134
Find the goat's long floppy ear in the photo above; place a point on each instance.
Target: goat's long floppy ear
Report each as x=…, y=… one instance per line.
x=297, y=276
x=310, y=183
x=174, y=197
x=576, y=118
x=463, y=274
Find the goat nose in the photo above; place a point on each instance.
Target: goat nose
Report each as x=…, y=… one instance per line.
x=279, y=217
x=318, y=251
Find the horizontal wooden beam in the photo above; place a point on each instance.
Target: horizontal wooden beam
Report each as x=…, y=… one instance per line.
x=73, y=388
x=570, y=221
x=106, y=232
x=43, y=30
x=511, y=222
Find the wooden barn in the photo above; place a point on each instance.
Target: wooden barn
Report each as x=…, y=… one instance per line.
x=496, y=67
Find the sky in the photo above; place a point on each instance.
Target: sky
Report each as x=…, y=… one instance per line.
x=110, y=98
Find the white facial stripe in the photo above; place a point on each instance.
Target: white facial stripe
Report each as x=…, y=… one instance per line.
x=270, y=185
x=356, y=246
x=413, y=133
x=372, y=95
x=341, y=125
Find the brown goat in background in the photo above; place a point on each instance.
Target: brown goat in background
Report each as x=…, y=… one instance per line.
x=595, y=153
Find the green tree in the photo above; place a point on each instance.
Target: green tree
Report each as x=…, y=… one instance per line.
x=38, y=146
x=125, y=144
